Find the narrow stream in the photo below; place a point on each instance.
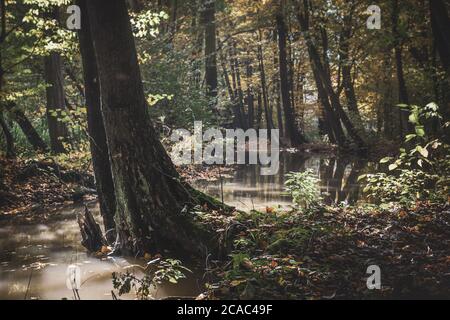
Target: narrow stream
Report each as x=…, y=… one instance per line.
x=34, y=257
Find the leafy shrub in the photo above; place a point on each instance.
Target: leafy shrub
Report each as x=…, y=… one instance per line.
x=304, y=188
x=420, y=173
x=156, y=273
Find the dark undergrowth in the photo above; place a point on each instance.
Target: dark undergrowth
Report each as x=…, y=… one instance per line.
x=325, y=253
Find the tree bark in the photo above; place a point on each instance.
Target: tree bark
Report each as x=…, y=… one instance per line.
x=10, y=152
x=238, y=117
x=440, y=23
x=250, y=94
x=294, y=135
x=265, y=98
x=96, y=129
x=346, y=65
x=209, y=22
x=276, y=91
x=27, y=128
x=58, y=131
x=322, y=74
x=398, y=49
x=152, y=204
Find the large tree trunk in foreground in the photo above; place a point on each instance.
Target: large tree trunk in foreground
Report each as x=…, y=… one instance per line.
x=96, y=129
x=152, y=205
x=294, y=135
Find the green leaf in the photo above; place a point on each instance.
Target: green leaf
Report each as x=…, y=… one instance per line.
x=420, y=131
x=385, y=160
x=423, y=151
x=393, y=167
x=413, y=118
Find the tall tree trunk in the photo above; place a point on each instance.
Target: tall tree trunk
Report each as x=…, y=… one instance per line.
x=135, y=5
x=398, y=49
x=346, y=65
x=322, y=74
x=440, y=23
x=96, y=129
x=27, y=128
x=152, y=204
x=238, y=117
x=58, y=131
x=250, y=94
x=294, y=135
x=238, y=84
x=332, y=122
x=10, y=152
x=277, y=90
x=262, y=71
x=209, y=22
x=260, y=111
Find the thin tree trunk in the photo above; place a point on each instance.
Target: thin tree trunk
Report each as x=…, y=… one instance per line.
x=346, y=65
x=293, y=133
x=209, y=22
x=238, y=118
x=265, y=99
x=96, y=129
x=398, y=49
x=277, y=90
x=321, y=70
x=260, y=111
x=152, y=204
x=238, y=85
x=58, y=131
x=440, y=23
x=250, y=95
x=10, y=152
x=332, y=122
x=27, y=128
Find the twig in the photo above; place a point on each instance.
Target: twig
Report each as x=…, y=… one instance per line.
x=29, y=283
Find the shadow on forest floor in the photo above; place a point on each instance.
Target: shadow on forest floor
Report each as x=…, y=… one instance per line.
x=325, y=254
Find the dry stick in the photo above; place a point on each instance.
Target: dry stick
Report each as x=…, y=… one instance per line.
x=29, y=283
x=221, y=188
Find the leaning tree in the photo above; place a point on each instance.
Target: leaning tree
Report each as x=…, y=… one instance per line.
x=152, y=202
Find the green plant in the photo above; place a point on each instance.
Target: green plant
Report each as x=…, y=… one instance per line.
x=304, y=188
x=156, y=273
x=419, y=173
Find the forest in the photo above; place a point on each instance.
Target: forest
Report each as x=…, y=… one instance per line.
x=224, y=149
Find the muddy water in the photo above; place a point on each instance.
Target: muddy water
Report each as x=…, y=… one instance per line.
x=248, y=189
x=34, y=261
x=34, y=257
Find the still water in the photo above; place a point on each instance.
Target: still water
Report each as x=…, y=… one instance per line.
x=248, y=189
x=34, y=257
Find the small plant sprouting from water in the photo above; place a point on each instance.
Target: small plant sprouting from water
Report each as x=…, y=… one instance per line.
x=156, y=273
x=304, y=187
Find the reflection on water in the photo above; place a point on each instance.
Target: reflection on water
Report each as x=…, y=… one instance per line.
x=248, y=189
x=34, y=258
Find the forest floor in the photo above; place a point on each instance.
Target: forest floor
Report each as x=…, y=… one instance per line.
x=325, y=253
x=31, y=187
